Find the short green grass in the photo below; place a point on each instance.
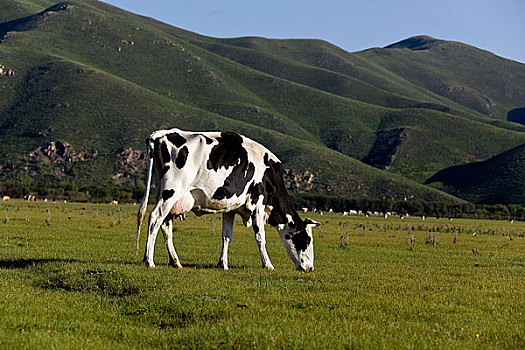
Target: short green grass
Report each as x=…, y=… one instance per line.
x=73, y=282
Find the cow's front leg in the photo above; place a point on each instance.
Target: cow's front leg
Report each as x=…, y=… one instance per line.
x=167, y=230
x=227, y=234
x=260, y=237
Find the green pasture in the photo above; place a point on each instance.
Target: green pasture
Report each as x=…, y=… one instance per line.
x=69, y=279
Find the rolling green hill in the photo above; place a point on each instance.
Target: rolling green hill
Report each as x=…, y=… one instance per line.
x=375, y=123
x=496, y=180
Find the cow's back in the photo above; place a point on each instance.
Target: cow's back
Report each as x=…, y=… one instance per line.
x=217, y=169
x=235, y=164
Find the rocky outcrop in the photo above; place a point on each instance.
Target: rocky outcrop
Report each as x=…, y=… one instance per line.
x=59, y=159
x=60, y=152
x=131, y=165
x=56, y=158
x=296, y=182
x=468, y=97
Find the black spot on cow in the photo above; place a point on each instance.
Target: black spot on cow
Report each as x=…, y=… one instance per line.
x=266, y=159
x=276, y=196
x=156, y=146
x=166, y=157
x=254, y=225
x=301, y=240
x=208, y=140
x=164, y=170
x=166, y=194
x=176, y=139
x=236, y=182
x=287, y=236
x=255, y=192
x=182, y=156
x=229, y=152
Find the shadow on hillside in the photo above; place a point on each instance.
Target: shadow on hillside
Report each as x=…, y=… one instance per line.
x=25, y=263
x=25, y=23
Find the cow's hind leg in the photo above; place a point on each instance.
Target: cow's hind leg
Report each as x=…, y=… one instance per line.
x=167, y=230
x=227, y=234
x=156, y=220
x=260, y=236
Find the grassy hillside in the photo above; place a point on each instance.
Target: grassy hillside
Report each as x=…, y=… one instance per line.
x=426, y=140
x=496, y=180
x=101, y=79
x=422, y=68
x=472, y=77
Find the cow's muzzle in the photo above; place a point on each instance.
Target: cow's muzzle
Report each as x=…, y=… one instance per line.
x=305, y=268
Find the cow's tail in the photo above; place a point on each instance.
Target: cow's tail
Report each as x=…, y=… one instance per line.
x=144, y=203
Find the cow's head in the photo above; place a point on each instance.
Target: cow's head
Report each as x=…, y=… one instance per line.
x=299, y=242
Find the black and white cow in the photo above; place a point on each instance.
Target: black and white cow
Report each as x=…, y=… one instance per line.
x=221, y=172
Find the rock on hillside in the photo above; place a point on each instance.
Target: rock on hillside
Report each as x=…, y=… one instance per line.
x=56, y=158
x=131, y=165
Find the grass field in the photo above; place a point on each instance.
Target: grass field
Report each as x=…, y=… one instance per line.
x=69, y=279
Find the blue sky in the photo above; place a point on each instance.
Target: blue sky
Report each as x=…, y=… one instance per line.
x=494, y=25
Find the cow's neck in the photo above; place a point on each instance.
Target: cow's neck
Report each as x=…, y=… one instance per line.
x=282, y=213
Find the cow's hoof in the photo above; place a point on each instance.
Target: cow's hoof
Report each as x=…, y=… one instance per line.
x=222, y=265
x=175, y=264
x=269, y=267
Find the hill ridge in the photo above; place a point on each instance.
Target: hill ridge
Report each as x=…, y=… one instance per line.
x=418, y=42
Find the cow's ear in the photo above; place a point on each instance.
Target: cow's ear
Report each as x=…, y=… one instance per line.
x=312, y=222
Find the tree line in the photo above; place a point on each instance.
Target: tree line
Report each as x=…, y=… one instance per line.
x=93, y=192
x=411, y=207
